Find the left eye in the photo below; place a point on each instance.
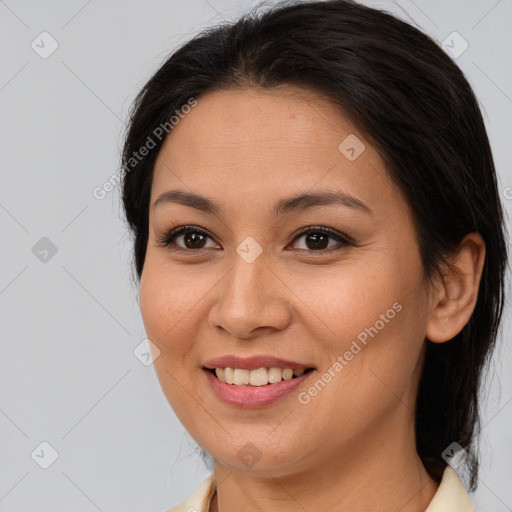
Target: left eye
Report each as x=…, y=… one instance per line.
x=194, y=238
x=317, y=238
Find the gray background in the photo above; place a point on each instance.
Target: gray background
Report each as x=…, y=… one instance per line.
x=70, y=324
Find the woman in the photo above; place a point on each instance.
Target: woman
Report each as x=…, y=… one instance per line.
x=320, y=247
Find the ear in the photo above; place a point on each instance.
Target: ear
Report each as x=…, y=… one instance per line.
x=455, y=299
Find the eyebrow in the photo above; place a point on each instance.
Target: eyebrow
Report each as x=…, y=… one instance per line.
x=282, y=207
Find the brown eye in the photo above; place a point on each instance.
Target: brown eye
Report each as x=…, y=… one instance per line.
x=317, y=239
x=193, y=238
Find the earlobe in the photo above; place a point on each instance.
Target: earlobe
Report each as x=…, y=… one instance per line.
x=455, y=298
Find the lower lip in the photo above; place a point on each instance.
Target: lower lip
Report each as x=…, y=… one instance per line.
x=254, y=396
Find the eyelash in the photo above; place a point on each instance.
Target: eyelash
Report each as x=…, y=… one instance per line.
x=165, y=239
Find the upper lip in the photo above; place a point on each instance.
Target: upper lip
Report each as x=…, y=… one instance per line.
x=254, y=362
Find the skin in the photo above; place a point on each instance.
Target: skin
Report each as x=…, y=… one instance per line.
x=352, y=447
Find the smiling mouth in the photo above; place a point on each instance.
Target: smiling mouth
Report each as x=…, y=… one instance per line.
x=258, y=377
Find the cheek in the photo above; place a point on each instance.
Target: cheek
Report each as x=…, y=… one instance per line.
x=377, y=317
x=349, y=300
x=167, y=305
x=167, y=308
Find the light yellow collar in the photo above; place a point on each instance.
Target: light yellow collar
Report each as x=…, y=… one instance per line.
x=451, y=496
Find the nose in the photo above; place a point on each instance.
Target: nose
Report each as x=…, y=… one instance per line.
x=252, y=300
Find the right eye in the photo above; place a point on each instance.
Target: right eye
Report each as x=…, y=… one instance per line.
x=193, y=238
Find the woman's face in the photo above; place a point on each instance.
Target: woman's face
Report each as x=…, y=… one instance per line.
x=253, y=284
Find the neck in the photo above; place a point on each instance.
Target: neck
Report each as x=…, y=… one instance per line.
x=380, y=473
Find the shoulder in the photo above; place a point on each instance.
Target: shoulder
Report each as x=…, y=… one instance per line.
x=451, y=496
x=199, y=501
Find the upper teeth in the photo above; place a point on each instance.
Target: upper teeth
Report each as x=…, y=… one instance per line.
x=259, y=377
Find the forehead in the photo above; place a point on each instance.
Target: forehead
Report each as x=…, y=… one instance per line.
x=256, y=141
x=234, y=119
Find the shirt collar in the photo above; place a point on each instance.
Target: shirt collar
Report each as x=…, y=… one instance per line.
x=451, y=496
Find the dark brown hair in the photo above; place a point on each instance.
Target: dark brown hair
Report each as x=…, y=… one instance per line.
x=416, y=107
